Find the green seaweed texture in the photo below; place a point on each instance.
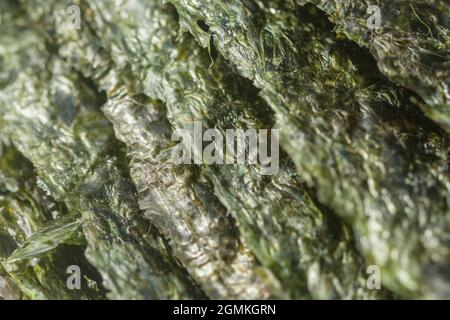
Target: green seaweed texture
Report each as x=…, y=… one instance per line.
x=87, y=123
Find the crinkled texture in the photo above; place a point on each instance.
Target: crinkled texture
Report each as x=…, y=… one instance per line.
x=281, y=223
x=201, y=233
x=24, y=213
x=354, y=137
x=52, y=115
x=358, y=140
x=184, y=209
x=412, y=47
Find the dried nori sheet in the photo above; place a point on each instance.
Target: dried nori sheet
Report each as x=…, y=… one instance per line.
x=87, y=179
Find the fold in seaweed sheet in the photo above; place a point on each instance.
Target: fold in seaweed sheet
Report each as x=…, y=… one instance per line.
x=184, y=208
x=201, y=234
x=412, y=47
x=24, y=212
x=283, y=226
x=52, y=116
x=355, y=138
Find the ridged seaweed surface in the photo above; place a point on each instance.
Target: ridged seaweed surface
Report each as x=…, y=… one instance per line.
x=34, y=255
x=58, y=127
x=411, y=45
x=353, y=136
x=200, y=231
x=88, y=123
x=264, y=208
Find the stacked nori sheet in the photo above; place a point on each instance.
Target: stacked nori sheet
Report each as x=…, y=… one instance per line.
x=87, y=179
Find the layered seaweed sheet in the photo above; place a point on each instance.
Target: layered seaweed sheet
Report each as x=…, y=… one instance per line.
x=87, y=177
x=52, y=116
x=277, y=217
x=34, y=256
x=411, y=45
x=353, y=136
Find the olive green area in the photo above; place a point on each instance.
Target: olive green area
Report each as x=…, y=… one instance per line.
x=86, y=172
x=411, y=47
x=354, y=137
x=39, y=239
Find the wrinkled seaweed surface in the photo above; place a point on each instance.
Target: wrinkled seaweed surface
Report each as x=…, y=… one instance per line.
x=411, y=47
x=87, y=179
x=353, y=136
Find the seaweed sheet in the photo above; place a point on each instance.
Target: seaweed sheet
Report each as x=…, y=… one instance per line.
x=25, y=212
x=58, y=127
x=411, y=45
x=200, y=232
x=286, y=231
x=353, y=136
x=358, y=140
